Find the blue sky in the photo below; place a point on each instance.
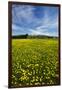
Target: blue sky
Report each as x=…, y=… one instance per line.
x=34, y=20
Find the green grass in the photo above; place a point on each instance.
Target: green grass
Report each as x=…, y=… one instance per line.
x=34, y=62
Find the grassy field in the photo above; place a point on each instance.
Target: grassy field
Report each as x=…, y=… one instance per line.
x=34, y=62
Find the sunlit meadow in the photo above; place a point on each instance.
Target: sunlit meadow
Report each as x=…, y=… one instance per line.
x=34, y=62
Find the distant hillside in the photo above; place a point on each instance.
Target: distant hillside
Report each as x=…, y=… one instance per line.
x=26, y=36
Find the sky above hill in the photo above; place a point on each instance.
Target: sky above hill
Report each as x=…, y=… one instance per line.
x=35, y=20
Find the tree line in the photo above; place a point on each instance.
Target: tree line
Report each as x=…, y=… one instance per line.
x=26, y=36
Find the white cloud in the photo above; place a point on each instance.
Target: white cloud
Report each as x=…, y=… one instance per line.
x=25, y=13
x=15, y=27
x=43, y=26
x=46, y=27
x=39, y=32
